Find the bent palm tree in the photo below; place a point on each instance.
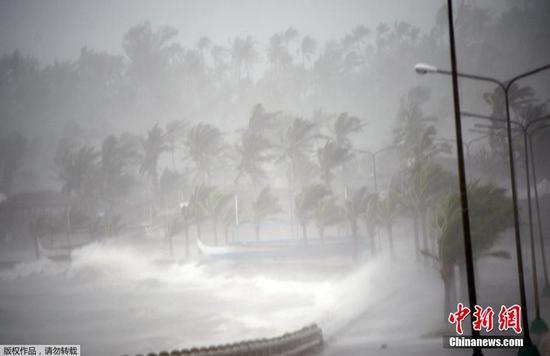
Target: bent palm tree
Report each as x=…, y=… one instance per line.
x=305, y=204
x=371, y=218
x=344, y=126
x=153, y=145
x=214, y=204
x=265, y=205
x=327, y=213
x=74, y=167
x=330, y=156
x=254, y=151
x=204, y=144
x=296, y=146
x=388, y=206
x=490, y=213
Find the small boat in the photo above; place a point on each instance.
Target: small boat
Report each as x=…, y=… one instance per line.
x=59, y=253
x=230, y=250
x=276, y=248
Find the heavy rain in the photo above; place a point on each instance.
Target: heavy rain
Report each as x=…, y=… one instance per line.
x=274, y=177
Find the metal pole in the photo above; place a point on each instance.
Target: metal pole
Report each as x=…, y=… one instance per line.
x=546, y=289
x=237, y=216
x=528, y=346
x=524, y=315
x=462, y=177
x=531, y=234
x=374, y=172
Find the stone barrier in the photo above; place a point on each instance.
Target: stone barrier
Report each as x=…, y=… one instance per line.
x=306, y=341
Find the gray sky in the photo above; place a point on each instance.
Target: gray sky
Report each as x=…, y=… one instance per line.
x=57, y=29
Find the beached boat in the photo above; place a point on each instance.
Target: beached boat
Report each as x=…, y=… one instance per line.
x=57, y=253
x=276, y=248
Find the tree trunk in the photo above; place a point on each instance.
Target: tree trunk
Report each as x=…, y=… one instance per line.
x=372, y=235
x=424, y=226
x=389, y=230
x=449, y=297
x=304, y=232
x=171, y=245
x=199, y=231
x=226, y=234
x=215, y=229
x=355, y=252
x=186, y=242
x=37, y=249
x=416, y=238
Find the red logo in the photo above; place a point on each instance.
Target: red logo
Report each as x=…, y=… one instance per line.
x=508, y=318
x=458, y=317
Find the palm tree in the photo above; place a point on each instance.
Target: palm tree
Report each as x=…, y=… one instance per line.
x=153, y=145
x=415, y=132
x=244, y=54
x=253, y=152
x=327, y=213
x=422, y=185
x=306, y=202
x=297, y=142
x=203, y=44
x=308, y=49
x=196, y=206
x=13, y=148
x=330, y=156
x=261, y=120
x=173, y=133
x=214, y=203
x=277, y=53
x=290, y=35
x=388, y=206
x=74, y=167
x=265, y=205
x=371, y=217
x=228, y=220
x=344, y=126
x=116, y=159
x=491, y=214
x=186, y=220
x=295, y=149
x=204, y=144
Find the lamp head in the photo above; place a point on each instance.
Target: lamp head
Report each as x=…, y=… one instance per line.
x=422, y=68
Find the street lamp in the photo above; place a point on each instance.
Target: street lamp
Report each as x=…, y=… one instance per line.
x=539, y=325
x=546, y=289
x=468, y=149
x=528, y=347
x=373, y=158
x=468, y=254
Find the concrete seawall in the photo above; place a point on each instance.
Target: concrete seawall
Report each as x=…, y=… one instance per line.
x=306, y=341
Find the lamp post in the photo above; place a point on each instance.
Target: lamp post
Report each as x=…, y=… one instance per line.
x=462, y=175
x=539, y=325
x=468, y=149
x=528, y=347
x=546, y=289
x=373, y=158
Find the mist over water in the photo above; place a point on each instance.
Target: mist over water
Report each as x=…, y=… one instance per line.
x=115, y=299
x=193, y=173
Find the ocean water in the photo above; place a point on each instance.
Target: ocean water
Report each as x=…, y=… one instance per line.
x=123, y=296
